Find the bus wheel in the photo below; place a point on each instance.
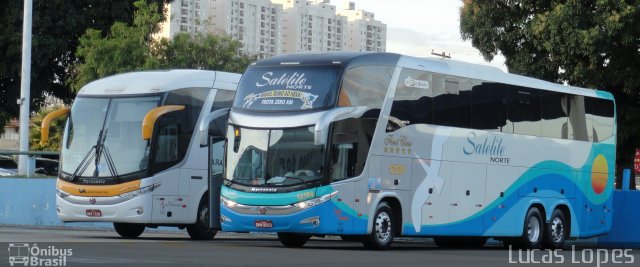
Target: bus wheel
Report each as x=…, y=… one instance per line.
x=556, y=232
x=292, y=240
x=200, y=230
x=533, y=230
x=382, y=234
x=129, y=230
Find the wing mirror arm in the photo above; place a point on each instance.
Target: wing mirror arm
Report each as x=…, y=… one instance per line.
x=212, y=125
x=149, y=121
x=46, y=123
x=321, y=131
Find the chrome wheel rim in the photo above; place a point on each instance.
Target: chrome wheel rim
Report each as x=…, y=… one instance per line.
x=383, y=227
x=533, y=229
x=557, y=230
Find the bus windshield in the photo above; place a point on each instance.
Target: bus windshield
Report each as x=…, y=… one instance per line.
x=292, y=88
x=103, y=137
x=274, y=158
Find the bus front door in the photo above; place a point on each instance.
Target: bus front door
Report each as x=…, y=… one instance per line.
x=216, y=169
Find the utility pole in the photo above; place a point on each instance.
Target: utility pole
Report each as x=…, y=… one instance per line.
x=25, y=88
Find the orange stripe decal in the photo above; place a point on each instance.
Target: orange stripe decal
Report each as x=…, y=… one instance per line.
x=97, y=190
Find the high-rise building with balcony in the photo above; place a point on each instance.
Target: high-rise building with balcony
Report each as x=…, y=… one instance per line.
x=364, y=32
x=311, y=25
x=271, y=27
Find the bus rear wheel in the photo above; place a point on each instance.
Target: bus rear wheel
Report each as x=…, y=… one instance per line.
x=383, y=231
x=129, y=230
x=292, y=240
x=556, y=231
x=200, y=230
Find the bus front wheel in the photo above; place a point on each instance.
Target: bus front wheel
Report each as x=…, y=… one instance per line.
x=129, y=230
x=383, y=230
x=292, y=240
x=556, y=231
x=200, y=230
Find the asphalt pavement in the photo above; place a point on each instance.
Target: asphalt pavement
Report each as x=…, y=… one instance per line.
x=75, y=247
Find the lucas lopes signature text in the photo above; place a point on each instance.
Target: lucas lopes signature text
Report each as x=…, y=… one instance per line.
x=586, y=256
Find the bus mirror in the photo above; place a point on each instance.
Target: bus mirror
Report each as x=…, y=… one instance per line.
x=322, y=126
x=46, y=122
x=214, y=125
x=152, y=116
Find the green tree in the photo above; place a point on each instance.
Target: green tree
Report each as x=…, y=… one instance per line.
x=124, y=48
x=201, y=51
x=128, y=48
x=590, y=44
x=55, y=131
x=57, y=24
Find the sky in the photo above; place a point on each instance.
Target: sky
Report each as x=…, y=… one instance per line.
x=416, y=27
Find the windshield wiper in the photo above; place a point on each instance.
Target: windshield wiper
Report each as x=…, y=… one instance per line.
x=83, y=164
x=110, y=164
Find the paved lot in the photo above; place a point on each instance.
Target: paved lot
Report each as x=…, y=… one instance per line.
x=104, y=248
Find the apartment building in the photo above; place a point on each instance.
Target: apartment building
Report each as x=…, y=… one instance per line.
x=270, y=27
x=364, y=32
x=255, y=23
x=189, y=16
x=311, y=25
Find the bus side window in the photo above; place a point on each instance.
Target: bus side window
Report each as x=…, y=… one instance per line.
x=350, y=144
x=365, y=86
x=523, y=110
x=577, y=119
x=601, y=113
x=555, y=119
x=489, y=109
x=224, y=99
x=166, y=146
x=413, y=100
x=452, y=101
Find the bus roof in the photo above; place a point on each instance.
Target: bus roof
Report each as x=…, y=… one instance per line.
x=145, y=82
x=493, y=74
x=438, y=65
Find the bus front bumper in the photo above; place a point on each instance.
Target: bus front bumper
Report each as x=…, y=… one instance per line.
x=321, y=219
x=104, y=209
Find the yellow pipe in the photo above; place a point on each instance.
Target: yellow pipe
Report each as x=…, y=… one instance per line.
x=152, y=116
x=46, y=122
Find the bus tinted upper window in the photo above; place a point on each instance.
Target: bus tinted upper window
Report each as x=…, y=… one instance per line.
x=287, y=88
x=452, y=101
x=413, y=101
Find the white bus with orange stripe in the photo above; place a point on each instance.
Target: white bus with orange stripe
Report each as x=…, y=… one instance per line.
x=128, y=154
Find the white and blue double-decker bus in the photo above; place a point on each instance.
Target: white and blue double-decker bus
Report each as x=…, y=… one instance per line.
x=372, y=146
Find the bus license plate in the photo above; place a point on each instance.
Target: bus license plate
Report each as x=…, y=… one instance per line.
x=264, y=224
x=94, y=213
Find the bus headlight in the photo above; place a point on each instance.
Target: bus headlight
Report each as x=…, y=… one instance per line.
x=315, y=201
x=139, y=192
x=228, y=203
x=62, y=194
